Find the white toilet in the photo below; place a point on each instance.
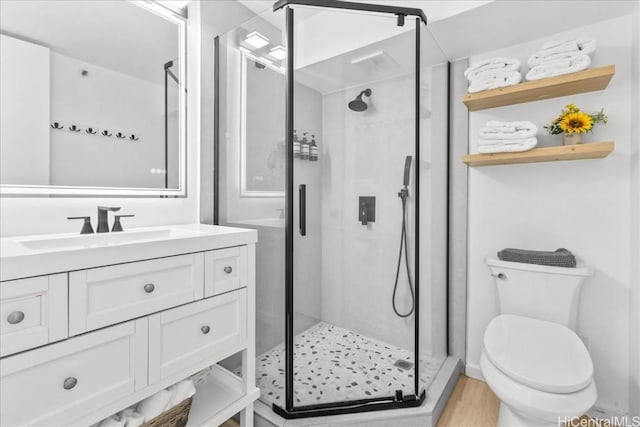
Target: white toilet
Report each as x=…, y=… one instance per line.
x=532, y=359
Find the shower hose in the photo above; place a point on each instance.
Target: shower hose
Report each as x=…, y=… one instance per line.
x=403, y=194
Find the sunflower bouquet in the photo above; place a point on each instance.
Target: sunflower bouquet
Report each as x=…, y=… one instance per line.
x=574, y=121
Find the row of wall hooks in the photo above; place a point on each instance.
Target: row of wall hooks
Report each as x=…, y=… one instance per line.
x=95, y=131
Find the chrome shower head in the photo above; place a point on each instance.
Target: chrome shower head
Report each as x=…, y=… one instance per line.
x=358, y=104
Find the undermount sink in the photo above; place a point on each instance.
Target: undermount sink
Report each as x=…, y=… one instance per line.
x=95, y=240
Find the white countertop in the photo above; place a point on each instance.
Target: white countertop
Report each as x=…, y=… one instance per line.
x=27, y=256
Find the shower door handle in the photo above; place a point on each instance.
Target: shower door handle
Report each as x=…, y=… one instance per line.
x=302, y=193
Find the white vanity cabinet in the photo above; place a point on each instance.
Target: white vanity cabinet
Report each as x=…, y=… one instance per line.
x=51, y=385
x=81, y=345
x=33, y=312
x=103, y=296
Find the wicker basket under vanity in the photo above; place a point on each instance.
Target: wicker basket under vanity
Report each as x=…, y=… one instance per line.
x=174, y=417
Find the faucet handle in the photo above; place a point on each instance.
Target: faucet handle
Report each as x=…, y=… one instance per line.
x=117, y=226
x=86, y=226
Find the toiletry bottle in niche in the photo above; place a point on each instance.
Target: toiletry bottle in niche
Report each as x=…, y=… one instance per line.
x=296, y=145
x=304, y=147
x=313, y=149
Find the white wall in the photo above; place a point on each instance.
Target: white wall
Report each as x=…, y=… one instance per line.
x=21, y=216
x=581, y=205
x=24, y=112
x=634, y=307
x=105, y=99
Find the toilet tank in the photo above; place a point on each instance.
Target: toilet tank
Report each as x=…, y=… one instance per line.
x=539, y=291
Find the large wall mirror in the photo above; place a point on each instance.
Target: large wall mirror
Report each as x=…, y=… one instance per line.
x=92, y=98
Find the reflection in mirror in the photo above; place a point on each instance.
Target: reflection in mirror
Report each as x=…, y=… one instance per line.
x=262, y=110
x=92, y=98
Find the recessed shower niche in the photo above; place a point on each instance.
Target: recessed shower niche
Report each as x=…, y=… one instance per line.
x=351, y=318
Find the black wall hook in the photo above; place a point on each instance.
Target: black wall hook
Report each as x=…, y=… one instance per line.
x=74, y=128
x=106, y=133
x=120, y=135
x=57, y=125
x=133, y=138
x=90, y=131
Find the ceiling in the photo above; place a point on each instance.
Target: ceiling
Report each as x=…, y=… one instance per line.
x=110, y=33
x=504, y=23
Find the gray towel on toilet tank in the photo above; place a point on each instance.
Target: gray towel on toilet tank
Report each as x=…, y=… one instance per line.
x=558, y=258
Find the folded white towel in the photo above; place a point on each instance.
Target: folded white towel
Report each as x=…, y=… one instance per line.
x=480, y=69
x=155, y=405
x=482, y=141
x=508, y=130
x=182, y=391
x=523, y=145
x=517, y=124
x=132, y=418
x=508, y=78
x=583, y=45
x=559, y=67
x=113, y=421
x=498, y=129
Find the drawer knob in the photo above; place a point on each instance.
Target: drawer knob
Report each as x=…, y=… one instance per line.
x=70, y=383
x=228, y=269
x=15, y=317
x=149, y=287
x=205, y=329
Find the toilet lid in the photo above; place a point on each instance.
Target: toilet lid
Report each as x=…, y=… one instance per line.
x=540, y=354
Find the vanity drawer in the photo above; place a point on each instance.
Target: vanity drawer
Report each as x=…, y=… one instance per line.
x=225, y=270
x=184, y=336
x=33, y=312
x=46, y=386
x=107, y=295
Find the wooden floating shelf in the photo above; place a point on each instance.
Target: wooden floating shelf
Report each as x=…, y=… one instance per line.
x=569, y=84
x=590, y=150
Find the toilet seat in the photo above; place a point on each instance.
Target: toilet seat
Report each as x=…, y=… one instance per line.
x=545, y=356
x=535, y=404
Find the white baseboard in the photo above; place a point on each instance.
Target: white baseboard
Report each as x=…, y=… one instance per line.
x=473, y=371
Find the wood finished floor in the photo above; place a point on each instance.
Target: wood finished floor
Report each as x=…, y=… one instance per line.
x=472, y=404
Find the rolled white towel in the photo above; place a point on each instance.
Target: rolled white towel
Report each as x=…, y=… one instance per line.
x=508, y=130
x=557, y=68
x=583, y=45
x=116, y=420
x=508, y=78
x=523, y=145
x=132, y=417
x=480, y=69
x=182, y=391
x=155, y=405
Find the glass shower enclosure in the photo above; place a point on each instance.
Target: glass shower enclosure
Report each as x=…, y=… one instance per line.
x=332, y=143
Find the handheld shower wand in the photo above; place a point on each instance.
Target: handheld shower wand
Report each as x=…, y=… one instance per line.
x=404, y=195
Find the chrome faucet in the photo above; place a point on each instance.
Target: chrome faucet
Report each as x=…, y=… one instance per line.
x=103, y=218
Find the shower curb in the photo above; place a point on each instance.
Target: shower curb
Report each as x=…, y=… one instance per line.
x=426, y=415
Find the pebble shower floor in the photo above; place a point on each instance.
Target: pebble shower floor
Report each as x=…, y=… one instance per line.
x=334, y=364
